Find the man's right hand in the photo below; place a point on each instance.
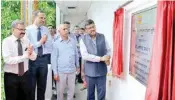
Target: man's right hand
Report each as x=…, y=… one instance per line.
x=105, y=58
x=56, y=78
x=43, y=39
x=107, y=62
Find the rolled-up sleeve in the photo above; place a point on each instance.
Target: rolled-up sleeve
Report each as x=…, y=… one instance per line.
x=54, y=57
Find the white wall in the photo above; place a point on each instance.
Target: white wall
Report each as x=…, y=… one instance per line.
x=75, y=20
x=58, y=16
x=62, y=17
x=103, y=13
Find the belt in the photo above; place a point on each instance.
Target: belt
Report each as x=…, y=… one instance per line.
x=42, y=55
x=14, y=74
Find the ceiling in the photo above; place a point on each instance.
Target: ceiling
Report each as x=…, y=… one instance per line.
x=81, y=7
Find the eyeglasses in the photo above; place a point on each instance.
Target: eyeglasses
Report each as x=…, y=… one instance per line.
x=21, y=29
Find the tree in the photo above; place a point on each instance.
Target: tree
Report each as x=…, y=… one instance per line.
x=49, y=7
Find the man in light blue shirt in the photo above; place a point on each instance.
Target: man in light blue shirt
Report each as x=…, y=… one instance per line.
x=37, y=33
x=49, y=43
x=65, y=62
x=49, y=48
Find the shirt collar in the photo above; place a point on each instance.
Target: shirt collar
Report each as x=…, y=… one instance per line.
x=91, y=38
x=36, y=27
x=14, y=39
x=63, y=40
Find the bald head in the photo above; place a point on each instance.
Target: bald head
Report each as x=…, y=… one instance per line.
x=63, y=30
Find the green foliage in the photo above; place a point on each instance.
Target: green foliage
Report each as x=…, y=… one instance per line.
x=10, y=10
x=49, y=7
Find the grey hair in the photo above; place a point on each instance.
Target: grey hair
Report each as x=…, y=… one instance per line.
x=35, y=13
x=16, y=22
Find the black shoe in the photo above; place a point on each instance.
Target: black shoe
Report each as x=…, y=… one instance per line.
x=80, y=81
x=53, y=88
x=55, y=96
x=74, y=95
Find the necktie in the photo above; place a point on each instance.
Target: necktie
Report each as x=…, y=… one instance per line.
x=21, y=64
x=40, y=49
x=78, y=38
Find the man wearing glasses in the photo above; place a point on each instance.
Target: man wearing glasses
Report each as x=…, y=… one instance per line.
x=96, y=52
x=16, y=52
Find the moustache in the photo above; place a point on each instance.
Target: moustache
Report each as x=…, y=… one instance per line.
x=22, y=33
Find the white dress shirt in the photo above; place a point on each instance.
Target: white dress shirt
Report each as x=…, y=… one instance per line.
x=10, y=54
x=90, y=57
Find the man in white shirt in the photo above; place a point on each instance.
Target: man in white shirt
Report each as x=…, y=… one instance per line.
x=16, y=52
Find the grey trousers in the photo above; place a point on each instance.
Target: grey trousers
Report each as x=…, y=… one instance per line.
x=66, y=80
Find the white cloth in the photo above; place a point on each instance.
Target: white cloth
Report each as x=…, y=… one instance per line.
x=48, y=93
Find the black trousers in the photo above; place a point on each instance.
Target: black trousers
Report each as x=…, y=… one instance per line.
x=49, y=58
x=38, y=76
x=79, y=75
x=16, y=87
